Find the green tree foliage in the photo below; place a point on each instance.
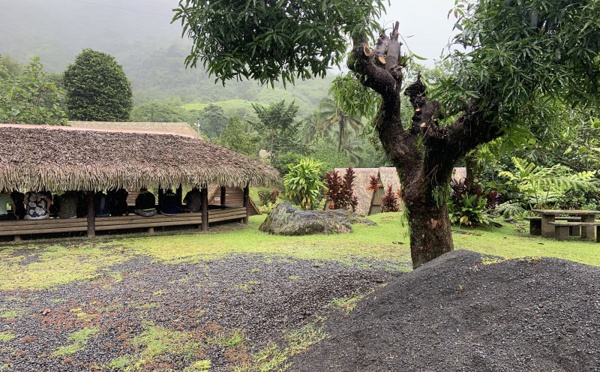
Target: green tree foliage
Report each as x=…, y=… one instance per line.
x=9, y=67
x=518, y=55
x=97, y=88
x=235, y=137
x=304, y=183
x=540, y=187
x=328, y=155
x=28, y=95
x=273, y=41
x=278, y=127
x=331, y=115
x=156, y=111
x=212, y=121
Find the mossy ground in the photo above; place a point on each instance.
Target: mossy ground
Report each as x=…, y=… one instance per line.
x=39, y=266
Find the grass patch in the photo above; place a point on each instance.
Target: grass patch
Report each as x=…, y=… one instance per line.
x=231, y=338
x=121, y=362
x=386, y=245
x=6, y=336
x=511, y=241
x=230, y=107
x=78, y=340
x=275, y=357
x=199, y=366
x=57, y=264
x=10, y=313
x=158, y=341
x=347, y=304
x=372, y=243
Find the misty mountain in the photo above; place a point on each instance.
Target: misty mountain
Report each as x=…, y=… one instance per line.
x=139, y=34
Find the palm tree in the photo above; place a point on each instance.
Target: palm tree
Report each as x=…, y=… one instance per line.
x=330, y=115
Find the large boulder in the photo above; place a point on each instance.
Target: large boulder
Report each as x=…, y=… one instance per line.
x=287, y=220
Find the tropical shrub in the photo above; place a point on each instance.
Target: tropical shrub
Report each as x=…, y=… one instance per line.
x=467, y=204
x=373, y=184
x=339, y=190
x=389, y=202
x=268, y=198
x=303, y=184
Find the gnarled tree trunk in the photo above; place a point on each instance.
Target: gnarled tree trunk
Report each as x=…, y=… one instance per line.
x=424, y=153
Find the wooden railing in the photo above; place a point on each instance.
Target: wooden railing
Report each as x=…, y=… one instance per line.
x=58, y=225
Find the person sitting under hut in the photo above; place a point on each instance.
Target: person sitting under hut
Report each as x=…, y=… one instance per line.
x=37, y=205
x=117, y=202
x=19, y=200
x=67, y=204
x=5, y=201
x=145, y=203
x=101, y=205
x=169, y=203
x=193, y=201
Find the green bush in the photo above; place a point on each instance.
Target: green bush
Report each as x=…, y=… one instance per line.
x=303, y=183
x=467, y=204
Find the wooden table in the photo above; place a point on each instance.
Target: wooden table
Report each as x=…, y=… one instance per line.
x=549, y=215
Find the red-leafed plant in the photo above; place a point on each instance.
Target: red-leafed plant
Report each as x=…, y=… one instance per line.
x=339, y=191
x=373, y=184
x=268, y=198
x=389, y=202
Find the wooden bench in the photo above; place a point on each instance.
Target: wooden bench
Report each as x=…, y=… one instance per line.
x=562, y=229
x=132, y=221
x=535, y=224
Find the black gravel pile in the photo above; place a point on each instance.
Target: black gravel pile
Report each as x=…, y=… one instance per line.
x=458, y=314
x=261, y=297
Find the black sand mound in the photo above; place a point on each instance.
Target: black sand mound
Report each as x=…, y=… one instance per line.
x=458, y=314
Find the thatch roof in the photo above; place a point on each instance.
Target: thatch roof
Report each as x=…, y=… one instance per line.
x=389, y=176
x=62, y=158
x=150, y=127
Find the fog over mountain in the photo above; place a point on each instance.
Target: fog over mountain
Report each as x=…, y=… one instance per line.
x=58, y=30
x=138, y=33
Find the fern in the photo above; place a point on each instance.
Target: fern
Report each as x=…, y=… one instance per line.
x=541, y=185
x=510, y=209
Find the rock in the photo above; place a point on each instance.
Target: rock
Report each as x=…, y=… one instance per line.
x=286, y=220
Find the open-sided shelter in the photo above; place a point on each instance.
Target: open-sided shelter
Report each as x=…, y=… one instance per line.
x=61, y=158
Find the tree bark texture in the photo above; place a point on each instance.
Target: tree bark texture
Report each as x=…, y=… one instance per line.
x=424, y=152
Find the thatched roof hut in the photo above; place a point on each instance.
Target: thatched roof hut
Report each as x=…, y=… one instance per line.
x=183, y=129
x=61, y=158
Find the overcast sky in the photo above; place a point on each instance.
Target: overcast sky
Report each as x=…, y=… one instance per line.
x=424, y=24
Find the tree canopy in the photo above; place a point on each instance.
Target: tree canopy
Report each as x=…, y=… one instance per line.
x=97, y=88
x=519, y=55
x=269, y=40
x=28, y=95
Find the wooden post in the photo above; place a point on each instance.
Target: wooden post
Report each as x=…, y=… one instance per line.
x=246, y=203
x=91, y=215
x=223, y=195
x=204, y=211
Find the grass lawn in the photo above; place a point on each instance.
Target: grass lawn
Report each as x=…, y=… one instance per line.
x=41, y=264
